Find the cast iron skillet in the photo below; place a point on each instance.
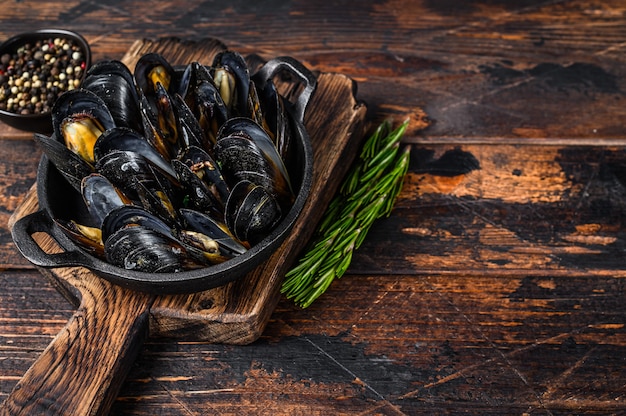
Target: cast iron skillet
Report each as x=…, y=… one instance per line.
x=57, y=199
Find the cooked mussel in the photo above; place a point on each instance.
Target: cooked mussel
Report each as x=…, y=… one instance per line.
x=79, y=117
x=275, y=120
x=251, y=212
x=135, y=176
x=121, y=138
x=72, y=166
x=203, y=98
x=232, y=79
x=87, y=237
x=152, y=69
x=101, y=197
x=125, y=169
x=113, y=82
x=133, y=215
x=200, y=222
x=200, y=175
x=245, y=152
x=144, y=249
x=136, y=240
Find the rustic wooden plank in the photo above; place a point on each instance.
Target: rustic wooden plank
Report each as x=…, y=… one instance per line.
x=18, y=167
x=75, y=375
x=469, y=339
x=32, y=312
x=510, y=339
x=496, y=209
x=525, y=57
x=429, y=343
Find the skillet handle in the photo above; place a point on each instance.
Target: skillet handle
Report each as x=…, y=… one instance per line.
x=295, y=67
x=39, y=221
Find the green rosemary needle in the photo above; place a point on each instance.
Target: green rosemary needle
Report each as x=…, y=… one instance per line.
x=367, y=193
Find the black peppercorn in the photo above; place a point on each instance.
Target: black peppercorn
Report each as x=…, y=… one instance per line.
x=38, y=72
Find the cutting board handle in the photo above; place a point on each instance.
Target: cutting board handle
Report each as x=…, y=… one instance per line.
x=81, y=371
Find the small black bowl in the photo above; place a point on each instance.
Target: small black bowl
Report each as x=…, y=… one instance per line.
x=40, y=122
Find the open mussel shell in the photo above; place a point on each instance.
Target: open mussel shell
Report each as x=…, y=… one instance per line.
x=200, y=222
x=204, y=100
x=69, y=164
x=121, y=138
x=78, y=118
x=153, y=68
x=101, y=197
x=232, y=77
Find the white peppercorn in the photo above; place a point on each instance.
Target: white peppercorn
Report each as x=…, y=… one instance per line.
x=39, y=72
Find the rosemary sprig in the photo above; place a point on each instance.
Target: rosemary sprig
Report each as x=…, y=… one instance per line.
x=367, y=193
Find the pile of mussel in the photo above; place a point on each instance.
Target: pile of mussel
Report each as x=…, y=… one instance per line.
x=179, y=168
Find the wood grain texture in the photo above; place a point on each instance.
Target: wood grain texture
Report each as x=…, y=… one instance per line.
x=471, y=68
x=505, y=210
x=488, y=291
x=75, y=375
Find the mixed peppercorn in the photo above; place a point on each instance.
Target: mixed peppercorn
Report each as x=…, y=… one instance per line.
x=34, y=75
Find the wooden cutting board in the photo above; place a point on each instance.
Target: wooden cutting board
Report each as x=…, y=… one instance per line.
x=81, y=370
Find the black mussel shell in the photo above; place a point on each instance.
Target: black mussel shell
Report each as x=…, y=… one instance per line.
x=251, y=212
x=194, y=74
x=275, y=118
x=232, y=79
x=144, y=249
x=245, y=152
x=152, y=68
x=156, y=200
x=240, y=159
x=101, y=197
x=205, y=224
x=112, y=81
x=121, y=138
x=135, y=177
x=87, y=237
x=124, y=169
x=80, y=105
x=206, y=168
x=191, y=132
x=131, y=215
x=73, y=167
x=210, y=111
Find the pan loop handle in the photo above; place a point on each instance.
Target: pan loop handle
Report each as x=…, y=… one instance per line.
x=295, y=67
x=39, y=221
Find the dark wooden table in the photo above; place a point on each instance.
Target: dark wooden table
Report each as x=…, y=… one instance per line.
x=497, y=284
